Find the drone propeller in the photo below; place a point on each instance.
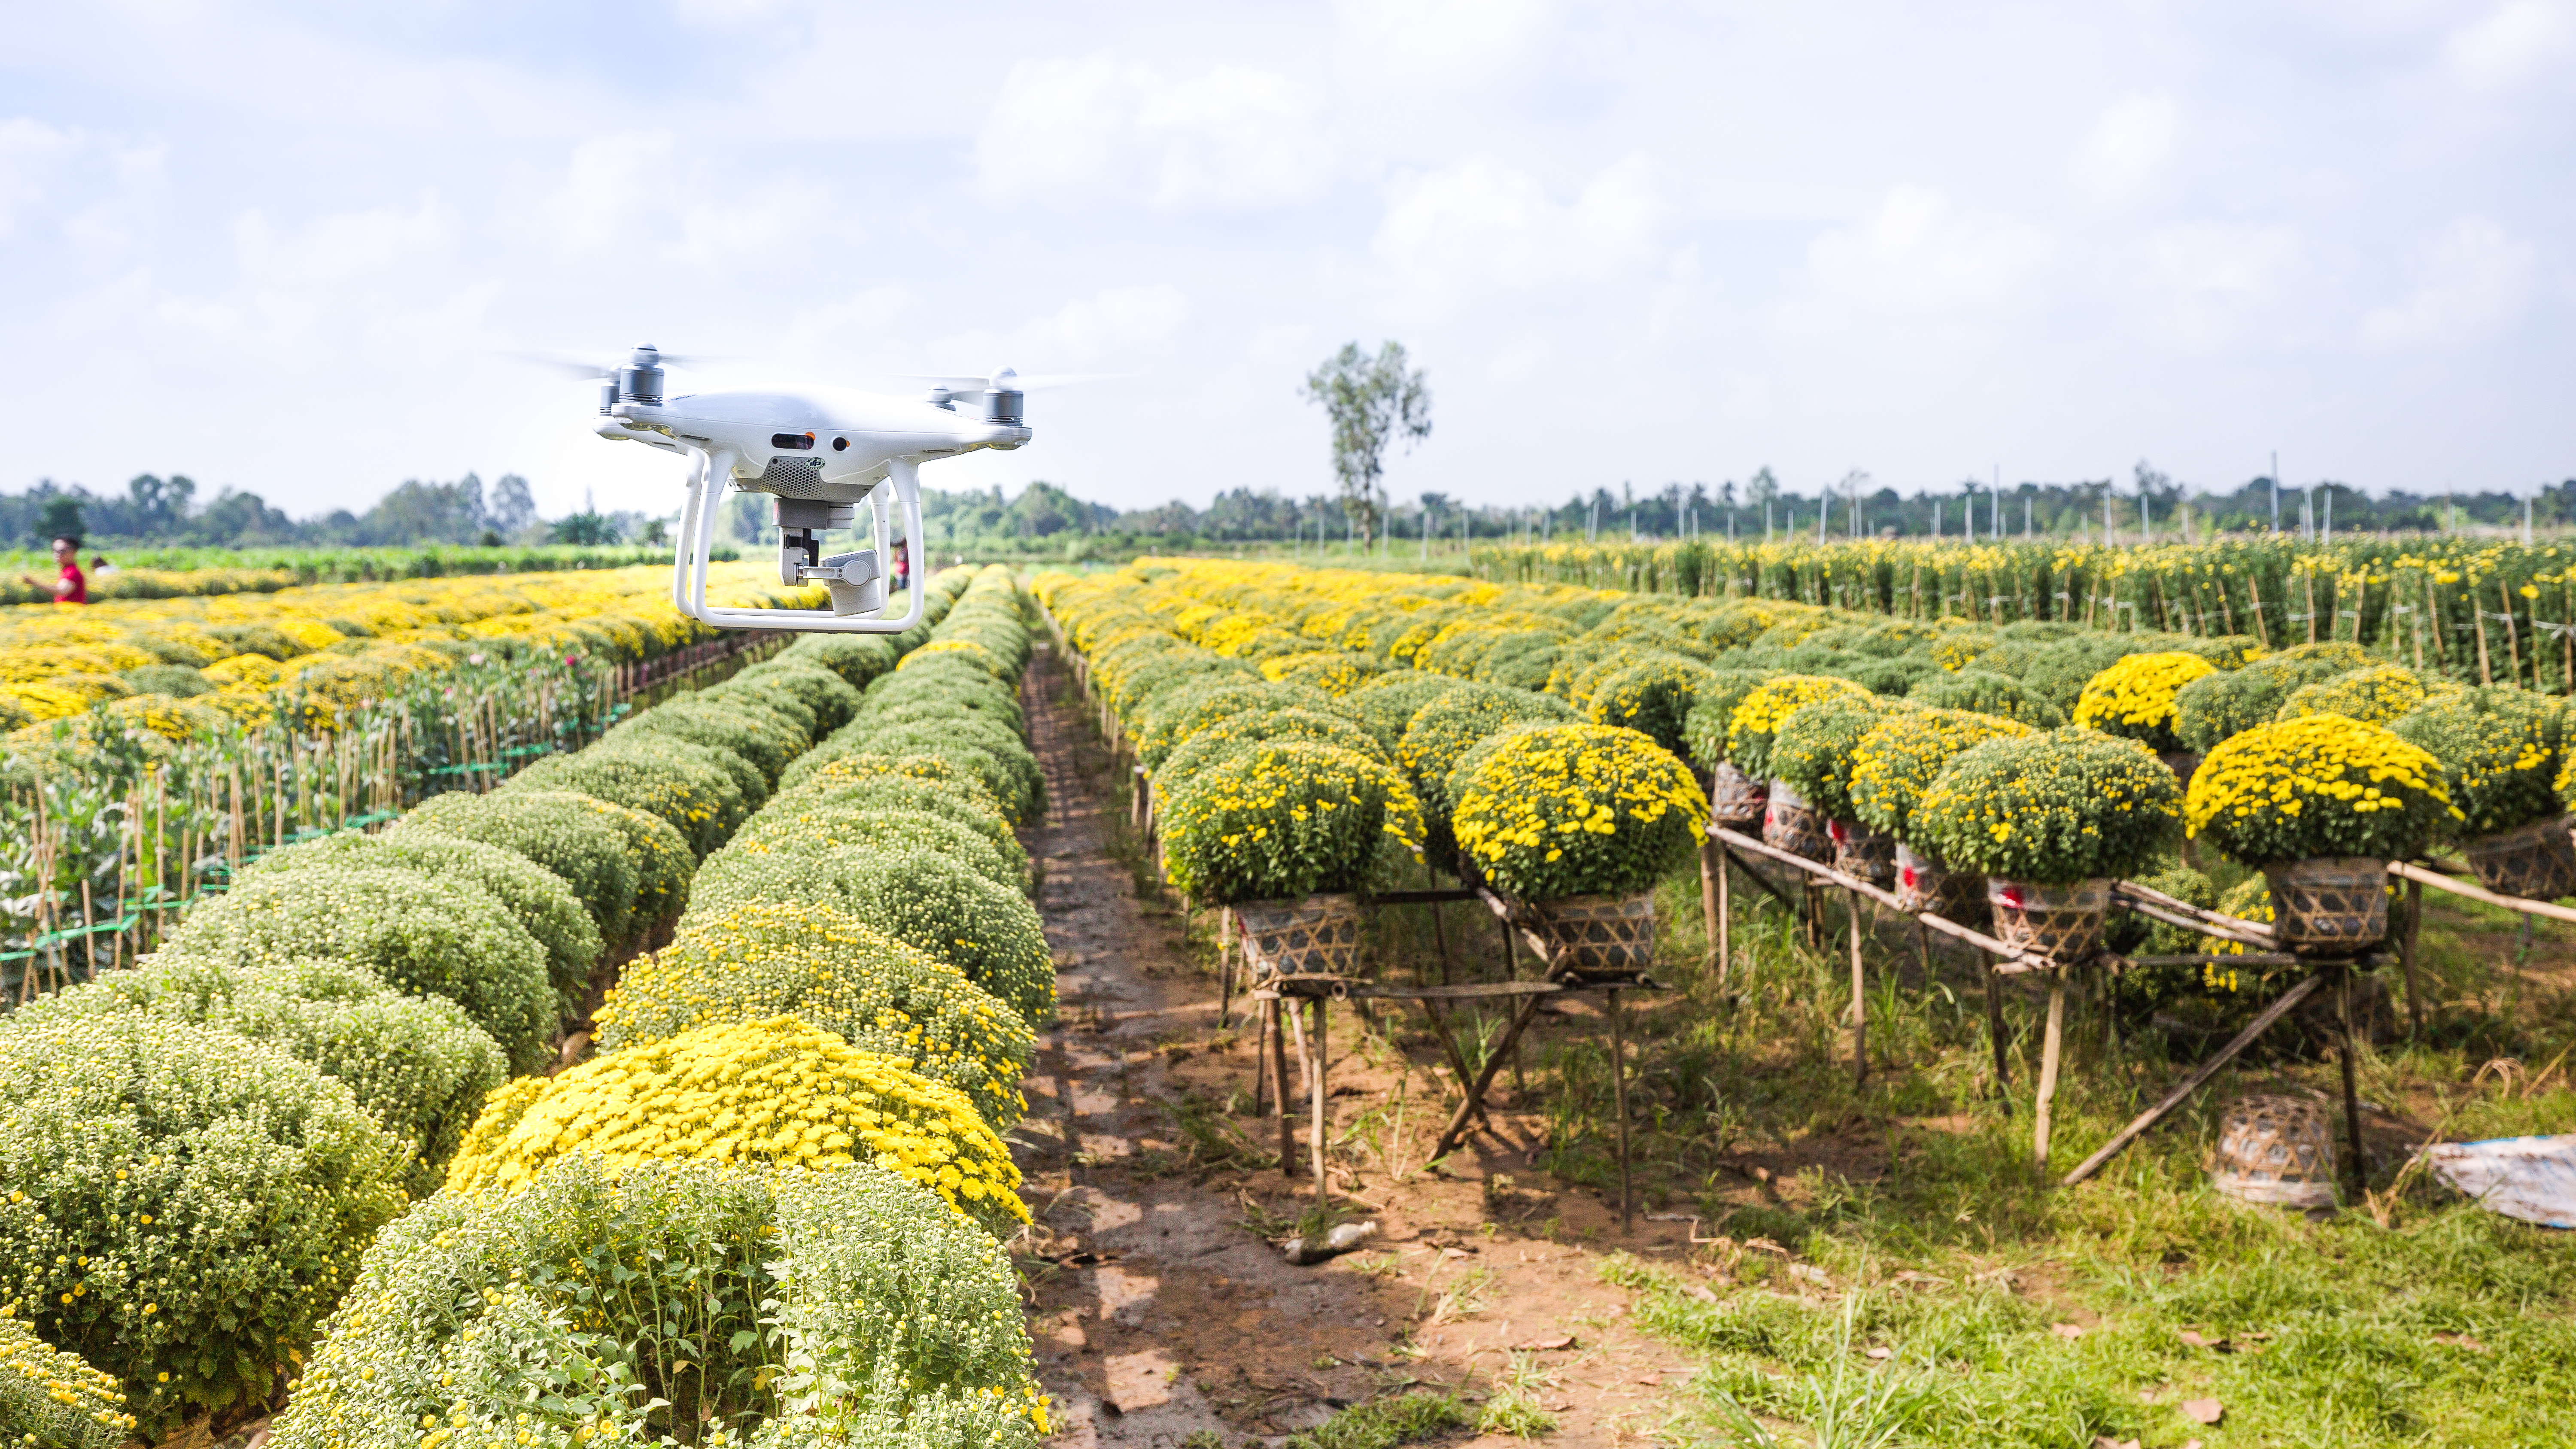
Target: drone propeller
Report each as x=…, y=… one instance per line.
x=587, y=370
x=1003, y=380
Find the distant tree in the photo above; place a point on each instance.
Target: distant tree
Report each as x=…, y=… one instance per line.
x=512, y=507
x=62, y=517
x=587, y=528
x=1372, y=402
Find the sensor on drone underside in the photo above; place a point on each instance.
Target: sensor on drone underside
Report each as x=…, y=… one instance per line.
x=856, y=580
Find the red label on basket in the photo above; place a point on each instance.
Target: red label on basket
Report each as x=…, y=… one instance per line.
x=2010, y=896
x=1906, y=874
x=1838, y=832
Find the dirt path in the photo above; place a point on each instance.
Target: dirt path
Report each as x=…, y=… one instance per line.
x=1160, y=1316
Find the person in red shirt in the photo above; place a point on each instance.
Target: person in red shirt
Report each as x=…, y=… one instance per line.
x=72, y=587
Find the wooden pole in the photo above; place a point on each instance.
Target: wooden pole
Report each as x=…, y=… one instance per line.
x=1280, y=1014
x=1619, y=1100
x=2406, y=958
x=1712, y=901
x=2049, y=1046
x=1224, y=966
x=1260, y=1058
x=2351, y=1080
x=1315, y=1094
x=1860, y=995
x=1457, y=1128
x=1995, y=1030
x=2193, y=1083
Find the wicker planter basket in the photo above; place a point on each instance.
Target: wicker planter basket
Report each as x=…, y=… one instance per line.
x=1320, y=934
x=2063, y=923
x=1788, y=824
x=2536, y=862
x=1736, y=799
x=2276, y=1150
x=1862, y=853
x=1601, y=935
x=1924, y=884
x=2336, y=902
x=2182, y=763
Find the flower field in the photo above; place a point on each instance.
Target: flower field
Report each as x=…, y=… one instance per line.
x=155, y=746
x=318, y=1161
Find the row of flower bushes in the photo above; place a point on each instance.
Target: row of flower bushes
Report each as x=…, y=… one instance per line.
x=196, y=1153
x=2033, y=753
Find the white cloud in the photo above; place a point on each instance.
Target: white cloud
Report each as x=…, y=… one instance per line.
x=1233, y=137
x=2517, y=39
x=1922, y=253
x=1108, y=327
x=635, y=195
x=2129, y=147
x=1442, y=42
x=87, y=181
x=2476, y=278
x=2194, y=285
x=1482, y=224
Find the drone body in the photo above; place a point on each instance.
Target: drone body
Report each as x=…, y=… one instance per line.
x=823, y=454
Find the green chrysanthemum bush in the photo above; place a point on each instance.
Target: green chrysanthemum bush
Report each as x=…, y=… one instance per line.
x=2501, y=750
x=828, y=969
x=2318, y=787
x=1007, y=770
x=536, y=897
x=686, y=786
x=1445, y=730
x=2214, y=707
x=1766, y=706
x=1388, y=703
x=856, y=658
x=1285, y=820
x=1987, y=692
x=2049, y=809
x=629, y=870
x=1334, y=671
x=989, y=932
x=429, y=936
x=50, y=1399
x=2373, y=696
x=2134, y=699
x=824, y=806
x=180, y=1206
x=1899, y=758
x=876, y=832
x=1174, y=720
x=1246, y=731
x=677, y=1302
x=740, y=726
x=1817, y=747
x=1704, y=729
x=419, y=1064
x=1578, y=810
x=1653, y=697
x=776, y=1093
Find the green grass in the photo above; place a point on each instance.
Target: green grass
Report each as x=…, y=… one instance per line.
x=1385, y=1423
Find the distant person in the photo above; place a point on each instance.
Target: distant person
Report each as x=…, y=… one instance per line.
x=99, y=567
x=902, y=565
x=72, y=587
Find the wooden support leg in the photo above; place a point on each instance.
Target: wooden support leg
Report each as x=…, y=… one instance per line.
x=2048, y=1049
x=2352, y=1082
x=2192, y=1083
x=1860, y=998
x=1619, y=1100
x=1260, y=1060
x=1224, y=967
x=2406, y=958
x=1709, y=898
x=1725, y=919
x=1316, y=1093
x=1995, y=1028
x=1457, y=1128
x=1283, y=1013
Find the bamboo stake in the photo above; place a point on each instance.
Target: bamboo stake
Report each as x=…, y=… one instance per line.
x=1619, y=1102
x=2433, y=614
x=2050, y=1044
x=1712, y=905
x=1315, y=1095
x=2254, y=591
x=2478, y=617
x=1860, y=995
x=2512, y=648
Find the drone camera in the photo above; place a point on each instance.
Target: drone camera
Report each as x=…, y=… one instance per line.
x=801, y=524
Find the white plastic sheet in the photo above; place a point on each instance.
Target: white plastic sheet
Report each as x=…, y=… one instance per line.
x=2530, y=1178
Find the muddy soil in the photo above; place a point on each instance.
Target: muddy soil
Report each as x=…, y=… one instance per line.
x=1161, y=1310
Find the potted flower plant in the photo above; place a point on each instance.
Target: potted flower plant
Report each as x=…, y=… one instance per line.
x=2134, y=699
x=1813, y=752
x=1735, y=798
x=2049, y=819
x=1580, y=821
x=1892, y=765
x=1788, y=822
x=2501, y=748
x=1287, y=832
x=2320, y=805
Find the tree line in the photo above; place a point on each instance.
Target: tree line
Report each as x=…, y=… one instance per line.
x=167, y=511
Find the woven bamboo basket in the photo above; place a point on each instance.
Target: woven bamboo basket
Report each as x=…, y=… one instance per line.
x=1788, y=824
x=1736, y=799
x=2183, y=763
x=2276, y=1150
x=2063, y=923
x=1863, y=853
x=1924, y=884
x=2336, y=902
x=1601, y=935
x=2536, y=862
x=1319, y=934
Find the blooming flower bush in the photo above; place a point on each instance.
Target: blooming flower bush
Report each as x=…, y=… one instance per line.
x=2210, y=709
x=50, y=1399
x=1574, y=810
x=1765, y=707
x=830, y=809
x=683, y=785
x=2134, y=699
x=1899, y=757
x=2049, y=809
x=1287, y=819
x=2374, y=696
x=1185, y=712
x=1333, y=671
x=1653, y=696
x=180, y=1206
x=447, y=938
x=732, y=1305
x=1983, y=691
x=2318, y=787
x=774, y=1091
x=2501, y=750
x=1817, y=747
x=1705, y=728
x=1388, y=703
x=1236, y=733
x=830, y=970
x=1445, y=730
x=629, y=870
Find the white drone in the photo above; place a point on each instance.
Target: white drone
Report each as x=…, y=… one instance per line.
x=821, y=452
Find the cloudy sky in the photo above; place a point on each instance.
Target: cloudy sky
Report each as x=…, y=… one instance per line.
x=285, y=247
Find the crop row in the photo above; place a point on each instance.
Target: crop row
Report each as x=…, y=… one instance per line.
x=306, y=1150
x=1305, y=728
x=182, y=572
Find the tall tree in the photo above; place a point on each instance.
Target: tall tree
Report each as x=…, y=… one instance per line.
x=1372, y=402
